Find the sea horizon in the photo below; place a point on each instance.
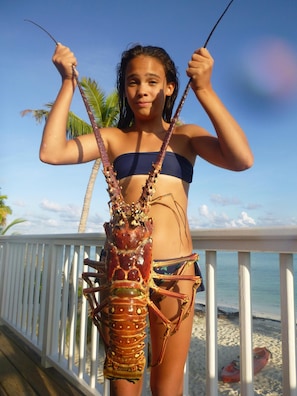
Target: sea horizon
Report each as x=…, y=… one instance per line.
x=265, y=283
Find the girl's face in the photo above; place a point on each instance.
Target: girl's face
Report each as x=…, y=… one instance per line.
x=146, y=87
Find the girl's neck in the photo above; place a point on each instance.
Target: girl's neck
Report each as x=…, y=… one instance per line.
x=150, y=127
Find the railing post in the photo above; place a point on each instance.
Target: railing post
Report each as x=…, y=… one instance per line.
x=246, y=331
x=288, y=321
x=50, y=269
x=4, y=254
x=186, y=378
x=211, y=325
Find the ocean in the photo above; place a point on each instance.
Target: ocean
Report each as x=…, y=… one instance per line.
x=265, y=283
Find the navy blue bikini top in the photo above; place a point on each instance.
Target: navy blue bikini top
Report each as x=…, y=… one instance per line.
x=176, y=165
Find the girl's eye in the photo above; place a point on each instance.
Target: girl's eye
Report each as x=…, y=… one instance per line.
x=153, y=82
x=131, y=83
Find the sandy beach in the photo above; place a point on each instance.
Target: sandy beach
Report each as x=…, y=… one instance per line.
x=265, y=333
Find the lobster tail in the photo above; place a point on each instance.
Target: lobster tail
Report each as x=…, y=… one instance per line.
x=125, y=356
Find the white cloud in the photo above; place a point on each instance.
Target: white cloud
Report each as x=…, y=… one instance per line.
x=253, y=206
x=269, y=219
x=54, y=217
x=243, y=221
x=19, y=203
x=65, y=210
x=204, y=210
x=224, y=201
x=211, y=219
x=51, y=223
x=95, y=223
x=50, y=206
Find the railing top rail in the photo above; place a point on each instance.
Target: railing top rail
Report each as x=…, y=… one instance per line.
x=273, y=239
x=256, y=232
x=91, y=238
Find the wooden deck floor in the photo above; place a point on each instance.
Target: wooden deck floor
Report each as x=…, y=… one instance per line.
x=21, y=373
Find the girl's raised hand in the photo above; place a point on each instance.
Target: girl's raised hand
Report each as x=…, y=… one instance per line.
x=64, y=60
x=200, y=69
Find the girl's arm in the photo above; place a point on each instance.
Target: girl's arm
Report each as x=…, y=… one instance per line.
x=230, y=149
x=55, y=148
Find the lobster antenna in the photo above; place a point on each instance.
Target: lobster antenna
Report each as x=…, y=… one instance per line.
x=95, y=127
x=179, y=107
x=40, y=27
x=205, y=44
x=182, y=101
x=186, y=91
x=216, y=24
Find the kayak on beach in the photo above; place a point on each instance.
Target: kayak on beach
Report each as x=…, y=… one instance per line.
x=231, y=372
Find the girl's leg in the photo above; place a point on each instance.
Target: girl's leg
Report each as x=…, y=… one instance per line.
x=167, y=378
x=125, y=388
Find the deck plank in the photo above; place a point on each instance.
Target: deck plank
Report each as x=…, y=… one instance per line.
x=21, y=373
x=11, y=382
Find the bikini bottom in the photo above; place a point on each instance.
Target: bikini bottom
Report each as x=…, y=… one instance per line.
x=173, y=269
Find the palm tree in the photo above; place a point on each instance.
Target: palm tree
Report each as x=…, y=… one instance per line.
x=4, y=212
x=106, y=111
x=3, y=231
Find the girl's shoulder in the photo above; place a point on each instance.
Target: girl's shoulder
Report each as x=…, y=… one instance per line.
x=118, y=141
x=110, y=134
x=190, y=138
x=113, y=131
x=190, y=130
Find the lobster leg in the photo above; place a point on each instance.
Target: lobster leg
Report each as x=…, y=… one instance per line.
x=184, y=298
x=170, y=326
x=164, y=263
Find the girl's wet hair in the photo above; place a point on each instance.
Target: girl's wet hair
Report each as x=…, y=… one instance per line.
x=126, y=116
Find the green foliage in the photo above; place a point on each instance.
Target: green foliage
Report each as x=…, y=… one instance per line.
x=105, y=110
x=4, y=212
x=106, y=114
x=13, y=223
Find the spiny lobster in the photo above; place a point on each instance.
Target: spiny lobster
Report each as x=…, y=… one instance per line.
x=125, y=275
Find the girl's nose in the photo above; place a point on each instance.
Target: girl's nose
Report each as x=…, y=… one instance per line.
x=141, y=91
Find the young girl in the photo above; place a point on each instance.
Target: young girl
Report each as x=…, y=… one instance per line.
x=147, y=87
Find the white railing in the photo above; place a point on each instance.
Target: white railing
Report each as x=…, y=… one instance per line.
x=41, y=299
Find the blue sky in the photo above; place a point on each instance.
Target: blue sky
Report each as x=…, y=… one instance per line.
x=255, y=74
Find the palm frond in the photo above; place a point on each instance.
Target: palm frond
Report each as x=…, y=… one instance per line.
x=106, y=113
x=39, y=114
x=105, y=108
x=95, y=97
x=76, y=126
x=14, y=222
x=111, y=110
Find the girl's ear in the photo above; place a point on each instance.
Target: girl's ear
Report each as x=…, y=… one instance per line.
x=170, y=89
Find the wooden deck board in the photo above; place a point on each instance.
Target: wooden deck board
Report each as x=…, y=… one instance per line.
x=21, y=373
x=11, y=382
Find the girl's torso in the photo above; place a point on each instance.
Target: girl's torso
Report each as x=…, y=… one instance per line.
x=168, y=209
